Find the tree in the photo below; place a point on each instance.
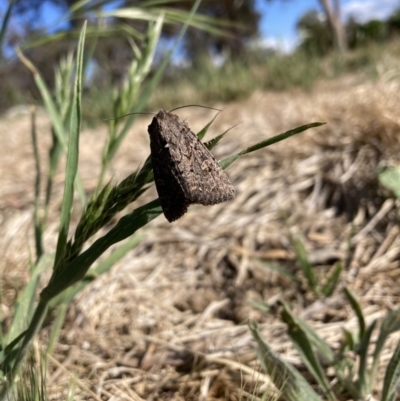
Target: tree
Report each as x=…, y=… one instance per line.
x=333, y=18
x=315, y=35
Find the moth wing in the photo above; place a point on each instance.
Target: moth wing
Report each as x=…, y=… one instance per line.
x=200, y=176
x=172, y=197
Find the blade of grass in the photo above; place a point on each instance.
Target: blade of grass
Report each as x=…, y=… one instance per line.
x=280, y=270
x=101, y=268
x=36, y=219
x=363, y=383
x=322, y=347
x=155, y=80
x=303, y=345
x=53, y=112
x=332, y=280
x=73, y=153
x=286, y=377
x=27, y=298
x=202, y=133
x=392, y=376
x=229, y=160
x=78, y=268
x=305, y=265
x=4, y=25
x=390, y=324
x=357, y=310
x=212, y=143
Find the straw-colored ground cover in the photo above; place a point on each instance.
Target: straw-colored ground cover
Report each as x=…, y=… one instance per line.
x=170, y=321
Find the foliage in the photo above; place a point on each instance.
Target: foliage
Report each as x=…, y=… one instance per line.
x=320, y=287
x=316, y=38
x=354, y=378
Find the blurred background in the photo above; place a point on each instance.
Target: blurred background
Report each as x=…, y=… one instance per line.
x=238, y=46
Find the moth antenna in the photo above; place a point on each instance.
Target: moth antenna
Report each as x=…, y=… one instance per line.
x=125, y=115
x=194, y=105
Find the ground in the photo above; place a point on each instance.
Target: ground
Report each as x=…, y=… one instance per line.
x=169, y=321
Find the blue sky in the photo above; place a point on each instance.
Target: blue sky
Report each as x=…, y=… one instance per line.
x=279, y=17
x=278, y=22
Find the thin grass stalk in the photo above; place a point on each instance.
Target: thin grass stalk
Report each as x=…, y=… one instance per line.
x=73, y=153
x=155, y=80
x=33, y=329
x=4, y=26
x=54, y=114
x=57, y=326
x=38, y=227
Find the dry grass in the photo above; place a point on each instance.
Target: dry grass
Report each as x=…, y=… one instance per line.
x=169, y=322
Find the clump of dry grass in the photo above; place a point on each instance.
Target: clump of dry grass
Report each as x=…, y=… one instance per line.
x=170, y=321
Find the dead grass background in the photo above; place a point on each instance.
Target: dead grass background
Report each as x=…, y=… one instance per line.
x=170, y=321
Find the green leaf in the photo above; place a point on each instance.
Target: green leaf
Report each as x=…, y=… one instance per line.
x=305, y=265
x=73, y=153
x=212, y=143
x=322, y=347
x=286, y=377
x=365, y=386
x=78, y=268
x=5, y=352
x=4, y=25
x=102, y=267
x=390, y=178
x=280, y=270
x=153, y=82
x=332, y=280
x=229, y=160
x=54, y=114
x=392, y=376
x=307, y=354
x=23, y=308
x=36, y=219
x=390, y=324
x=202, y=133
x=357, y=309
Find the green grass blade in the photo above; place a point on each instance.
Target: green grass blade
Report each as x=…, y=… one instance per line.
x=212, y=143
x=47, y=100
x=392, y=376
x=202, y=133
x=268, y=142
x=280, y=270
x=73, y=152
x=22, y=314
x=150, y=51
x=36, y=219
x=332, y=280
x=78, y=268
x=4, y=25
x=56, y=327
x=322, y=347
x=102, y=267
x=305, y=265
x=4, y=352
x=286, y=378
x=303, y=345
x=51, y=108
x=390, y=324
x=365, y=386
x=155, y=80
x=357, y=310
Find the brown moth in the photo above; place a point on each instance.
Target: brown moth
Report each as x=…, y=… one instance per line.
x=185, y=172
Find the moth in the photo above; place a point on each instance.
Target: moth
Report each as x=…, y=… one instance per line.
x=185, y=172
